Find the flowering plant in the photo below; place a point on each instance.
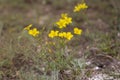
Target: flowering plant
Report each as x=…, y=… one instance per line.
x=57, y=39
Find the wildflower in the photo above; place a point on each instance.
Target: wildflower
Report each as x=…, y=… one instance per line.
x=68, y=20
x=69, y=35
x=61, y=35
x=61, y=23
x=53, y=34
x=34, y=32
x=64, y=21
x=64, y=34
x=77, y=31
x=28, y=27
x=80, y=7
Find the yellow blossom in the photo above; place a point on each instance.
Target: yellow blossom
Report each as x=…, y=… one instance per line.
x=64, y=21
x=64, y=34
x=68, y=20
x=28, y=27
x=61, y=35
x=34, y=32
x=80, y=7
x=53, y=34
x=77, y=31
x=69, y=35
x=61, y=23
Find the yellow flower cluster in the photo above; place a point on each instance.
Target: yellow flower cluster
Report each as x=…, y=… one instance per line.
x=64, y=21
x=34, y=32
x=80, y=7
x=67, y=35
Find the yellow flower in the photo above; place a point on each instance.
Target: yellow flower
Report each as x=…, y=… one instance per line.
x=53, y=34
x=69, y=35
x=64, y=34
x=61, y=35
x=56, y=33
x=34, y=32
x=77, y=31
x=28, y=27
x=80, y=7
x=61, y=23
x=64, y=21
x=68, y=20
